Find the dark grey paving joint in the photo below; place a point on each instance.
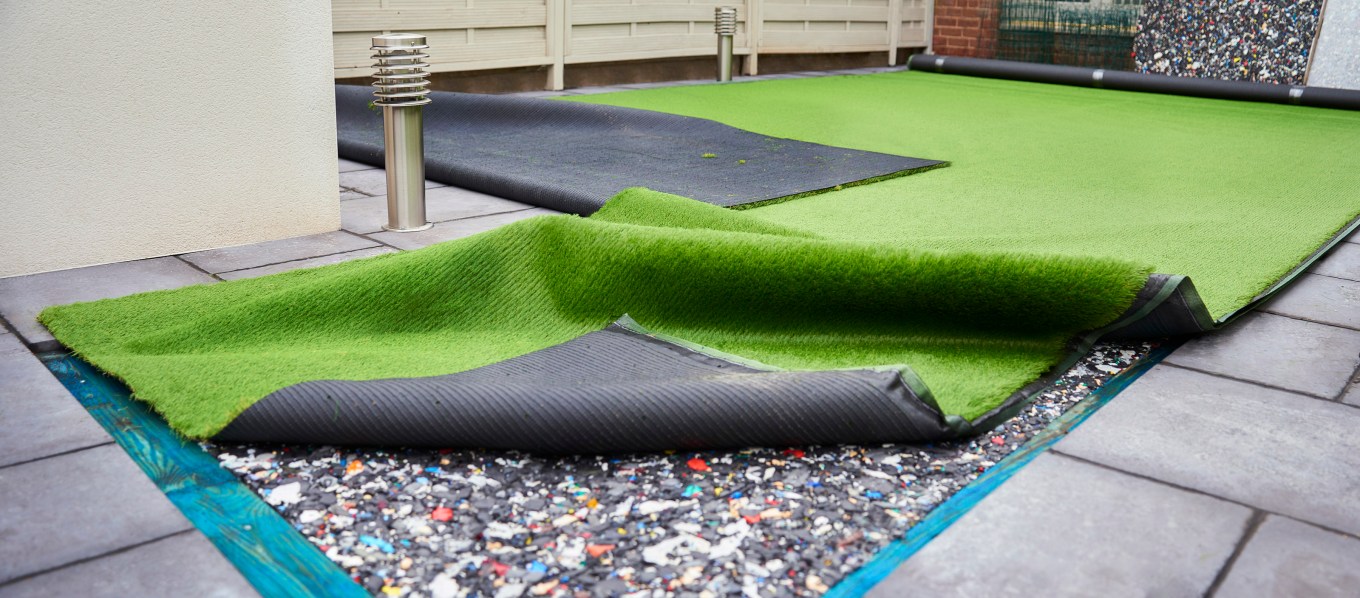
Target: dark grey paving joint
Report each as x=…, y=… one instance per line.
x=1273, y=450
x=73, y=507
x=1061, y=527
x=1300, y=356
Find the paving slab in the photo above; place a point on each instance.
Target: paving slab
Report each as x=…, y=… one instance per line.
x=77, y=506
x=315, y=262
x=1334, y=301
x=1352, y=395
x=38, y=417
x=1286, y=559
x=456, y=229
x=1061, y=527
x=182, y=565
x=1279, y=451
x=372, y=181
x=586, y=91
x=351, y=166
x=1343, y=261
x=368, y=215
x=217, y=261
x=1307, y=357
x=22, y=297
x=539, y=94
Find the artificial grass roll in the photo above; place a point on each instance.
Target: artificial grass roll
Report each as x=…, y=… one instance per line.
x=976, y=326
x=1232, y=194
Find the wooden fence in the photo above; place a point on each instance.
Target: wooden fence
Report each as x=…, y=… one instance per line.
x=470, y=35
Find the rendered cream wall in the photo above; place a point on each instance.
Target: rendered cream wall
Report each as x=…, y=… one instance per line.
x=138, y=129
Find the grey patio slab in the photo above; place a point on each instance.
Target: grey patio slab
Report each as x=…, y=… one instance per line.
x=1334, y=301
x=445, y=203
x=539, y=94
x=586, y=91
x=661, y=84
x=1352, y=396
x=1279, y=451
x=351, y=165
x=217, y=261
x=182, y=565
x=76, y=506
x=456, y=229
x=315, y=262
x=1343, y=261
x=1286, y=559
x=1307, y=357
x=372, y=181
x=1061, y=527
x=22, y=297
x=38, y=417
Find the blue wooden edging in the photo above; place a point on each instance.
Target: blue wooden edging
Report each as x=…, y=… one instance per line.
x=944, y=515
x=273, y=556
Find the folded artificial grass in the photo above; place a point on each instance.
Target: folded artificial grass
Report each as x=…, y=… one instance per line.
x=974, y=325
x=1231, y=194
x=980, y=278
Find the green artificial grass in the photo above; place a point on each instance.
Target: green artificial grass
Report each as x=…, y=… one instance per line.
x=974, y=325
x=1231, y=194
x=1058, y=204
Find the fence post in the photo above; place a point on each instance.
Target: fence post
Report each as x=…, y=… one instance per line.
x=930, y=26
x=754, y=24
x=894, y=30
x=557, y=29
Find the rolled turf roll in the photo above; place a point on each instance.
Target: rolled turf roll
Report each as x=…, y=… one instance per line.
x=1318, y=97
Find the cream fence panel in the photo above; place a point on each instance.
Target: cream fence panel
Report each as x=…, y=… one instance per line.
x=469, y=35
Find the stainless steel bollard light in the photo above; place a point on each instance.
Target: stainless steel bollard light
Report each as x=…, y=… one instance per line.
x=725, y=25
x=402, y=92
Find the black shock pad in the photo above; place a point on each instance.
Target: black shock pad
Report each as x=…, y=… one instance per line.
x=573, y=157
x=607, y=391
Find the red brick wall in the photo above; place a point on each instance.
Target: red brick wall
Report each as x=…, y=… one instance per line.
x=966, y=28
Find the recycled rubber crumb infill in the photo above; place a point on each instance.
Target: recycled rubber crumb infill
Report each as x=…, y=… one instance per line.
x=784, y=521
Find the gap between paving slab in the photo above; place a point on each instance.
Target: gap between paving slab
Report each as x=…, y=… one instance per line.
x=184, y=564
x=23, y=297
x=1281, y=452
x=368, y=215
x=372, y=181
x=314, y=262
x=77, y=506
x=1286, y=558
x=38, y=417
x=1066, y=528
x=1277, y=351
x=1342, y=262
x=456, y=229
x=1321, y=299
x=242, y=257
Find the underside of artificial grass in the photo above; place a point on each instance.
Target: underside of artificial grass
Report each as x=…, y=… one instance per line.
x=974, y=325
x=1059, y=204
x=1231, y=194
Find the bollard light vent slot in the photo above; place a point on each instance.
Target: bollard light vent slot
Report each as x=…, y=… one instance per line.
x=399, y=60
x=725, y=20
